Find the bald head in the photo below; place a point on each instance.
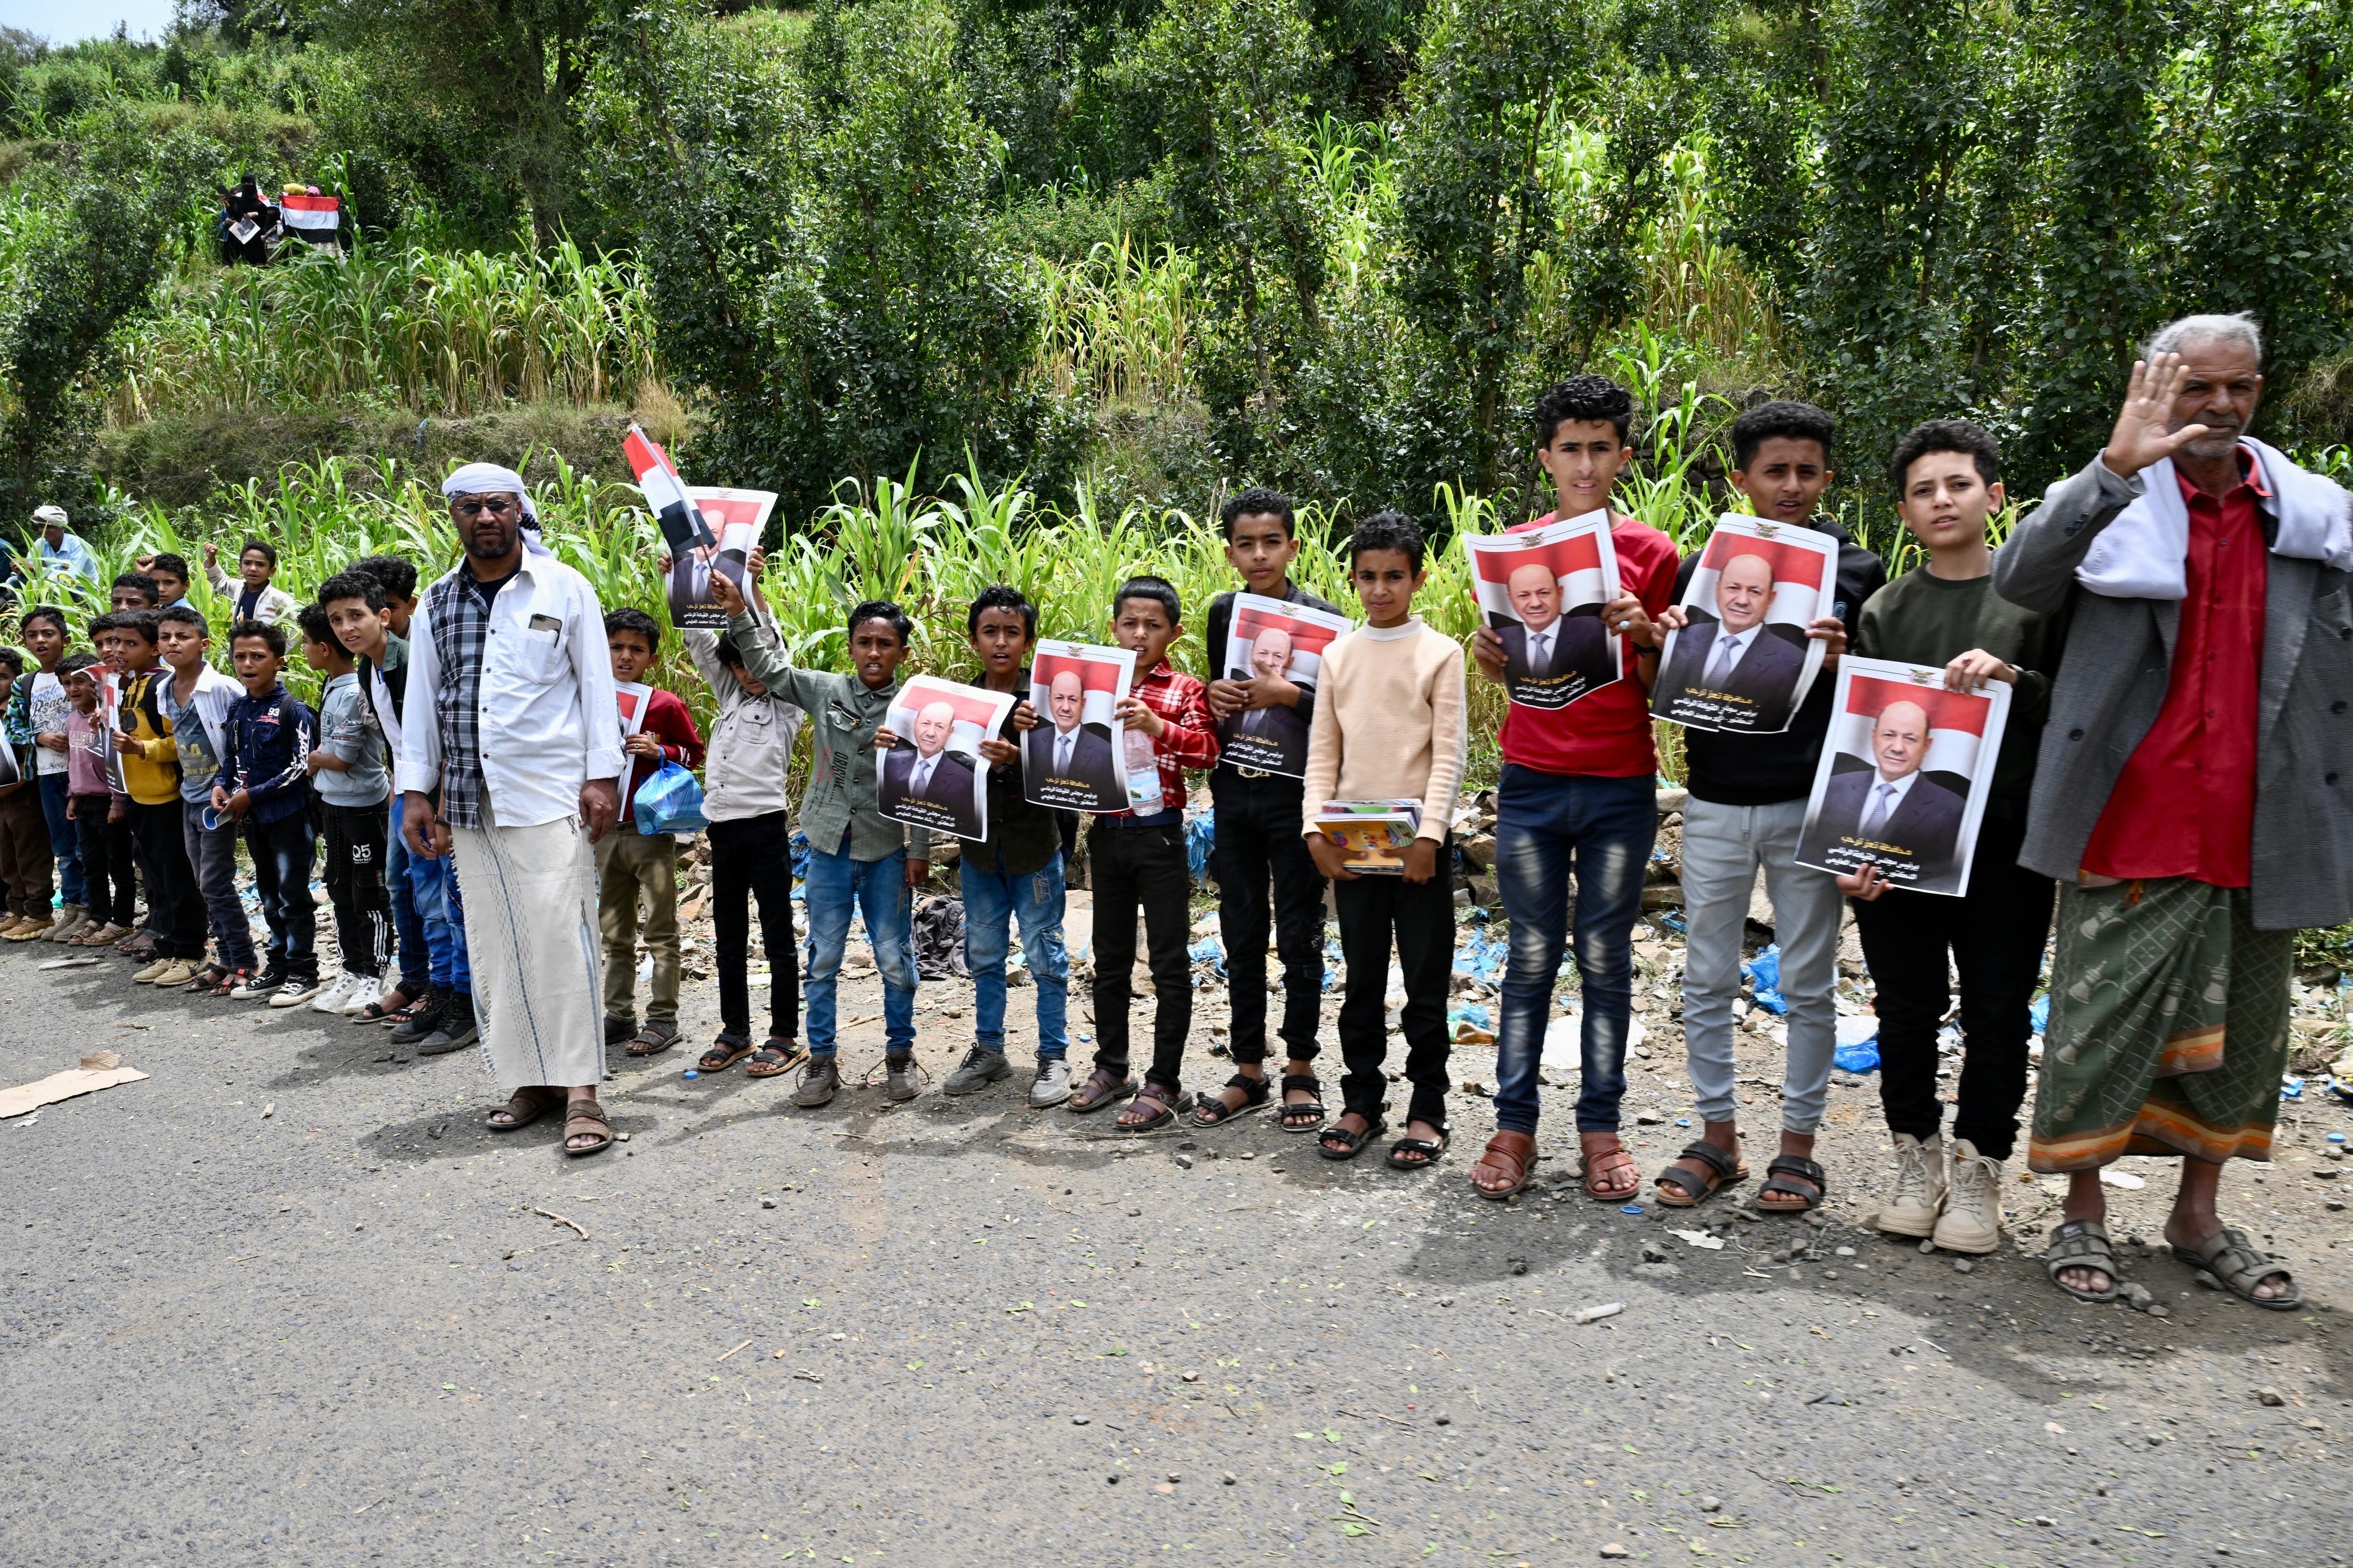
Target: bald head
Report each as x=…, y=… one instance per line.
x=1899, y=739
x=933, y=725
x=1270, y=654
x=1535, y=595
x=1743, y=591
x=1067, y=699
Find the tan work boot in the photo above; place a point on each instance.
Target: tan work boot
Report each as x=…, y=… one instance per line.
x=1919, y=1196
x=1972, y=1217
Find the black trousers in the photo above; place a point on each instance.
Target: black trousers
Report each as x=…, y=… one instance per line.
x=176, y=905
x=1258, y=843
x=353, y=875
x=1419, y=917
x=1132, y=868
x=752, y=857
x=1995, y=935
x=106, y=857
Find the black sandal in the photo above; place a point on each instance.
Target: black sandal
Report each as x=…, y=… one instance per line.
x=724, y=1053
x=1428, y=1151
x=778, y=1056
x=1313, y=1109
x=1783, y=1174
x=1212, y=1111
x=1682, y=1189
x=1337, y=1142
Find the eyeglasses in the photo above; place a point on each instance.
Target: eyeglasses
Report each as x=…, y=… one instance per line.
x=496, y=506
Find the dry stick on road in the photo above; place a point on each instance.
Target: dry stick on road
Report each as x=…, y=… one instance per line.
x=561, y=1219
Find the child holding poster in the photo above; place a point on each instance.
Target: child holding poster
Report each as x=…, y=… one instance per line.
x=1749, y=789
x=1946, y=618
x=737, y=518
x=858, y=859
x=1071, y=751
x=1016, y=872
x=656, y=728
x=1263, y=872
x=931, y=776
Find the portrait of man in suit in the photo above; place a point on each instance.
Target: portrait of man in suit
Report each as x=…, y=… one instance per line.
x=1734, y=652
x=1891, y=804
x=1064, y=751
x=1271, y=656
x=929, y=772
x=1544, y=644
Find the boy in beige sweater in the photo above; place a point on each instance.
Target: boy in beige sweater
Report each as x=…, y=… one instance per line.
x=1389, y=726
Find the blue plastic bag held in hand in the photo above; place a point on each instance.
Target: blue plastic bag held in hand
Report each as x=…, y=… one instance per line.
x=670, y=802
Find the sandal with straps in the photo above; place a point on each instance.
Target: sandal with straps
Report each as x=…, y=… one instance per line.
x=1421, y=1152
x=1215, y=1111
x=1337, y=1142
x=2083, y=1244
x=1167, y=1096
x=2238, y=1267
x=523, y=1107
x=1680, y=1189
x=1103, y=1087
x=1311, y=1109
x=582, y=1118
x=1782, y=1177
x=1512, y=1154
x=724, y=1053
x=778, y=1056
x=1601, y=1162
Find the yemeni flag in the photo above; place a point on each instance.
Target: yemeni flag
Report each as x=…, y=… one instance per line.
x=1255, y=614
x=1575, y=562
x=315, y=218
x=683, y=524
x=1100, y=681
x=1956, y=720
x=1796, y=573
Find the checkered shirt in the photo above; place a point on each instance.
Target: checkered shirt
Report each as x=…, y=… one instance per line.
x=1190, y=740
x=460, y=615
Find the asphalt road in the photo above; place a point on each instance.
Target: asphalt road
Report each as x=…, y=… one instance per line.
x=286, y=1301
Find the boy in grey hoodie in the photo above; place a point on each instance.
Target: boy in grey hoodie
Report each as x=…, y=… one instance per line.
x=858, y=856
x=746, y=800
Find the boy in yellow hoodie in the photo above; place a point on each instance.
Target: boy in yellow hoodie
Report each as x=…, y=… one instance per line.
x=151, y=774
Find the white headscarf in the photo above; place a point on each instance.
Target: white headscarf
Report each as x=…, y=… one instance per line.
x=490, y=479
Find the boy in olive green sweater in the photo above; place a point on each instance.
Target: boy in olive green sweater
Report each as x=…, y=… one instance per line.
x=1945, y=613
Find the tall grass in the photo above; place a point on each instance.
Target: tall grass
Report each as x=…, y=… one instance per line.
x=443, y=333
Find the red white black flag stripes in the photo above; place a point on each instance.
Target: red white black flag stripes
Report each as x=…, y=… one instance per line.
x=682, y=520
x=314, y=214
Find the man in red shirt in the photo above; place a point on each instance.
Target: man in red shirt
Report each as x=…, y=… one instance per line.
x=2193, y=816
x=1578, y=793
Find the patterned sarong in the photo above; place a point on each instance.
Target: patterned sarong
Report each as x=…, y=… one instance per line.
x=2169, y=1026
x=537, y=954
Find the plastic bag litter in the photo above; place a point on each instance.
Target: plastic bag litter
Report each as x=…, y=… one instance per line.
x=1211, y=952
x=1200, y=837
x=670, y=802
x=1470, y=1024
x=1764, y=973
x=1859, y=1058
x=1482, y=958
x=2038, y=1016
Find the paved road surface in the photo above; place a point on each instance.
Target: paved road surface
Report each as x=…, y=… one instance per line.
x=342, y=1331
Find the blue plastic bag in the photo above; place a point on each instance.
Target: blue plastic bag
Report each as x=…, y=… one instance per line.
x=1859, y=1058
x=670, y=802
x=1200, y=838
x=1764, y=973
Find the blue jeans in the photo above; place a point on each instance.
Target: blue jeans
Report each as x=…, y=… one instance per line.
x=991, y=903
x=65, y=839
x=879, y=888
x=434, y=883
x=283, y=852
x=212, y=852
x=415, y=964
x=1549, y=827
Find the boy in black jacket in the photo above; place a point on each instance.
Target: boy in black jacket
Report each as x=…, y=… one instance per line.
x=1746, y=809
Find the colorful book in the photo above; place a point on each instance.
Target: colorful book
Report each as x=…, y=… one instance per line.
x=1373, y=835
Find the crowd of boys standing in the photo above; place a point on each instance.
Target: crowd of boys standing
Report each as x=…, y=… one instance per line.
x=2175, y=620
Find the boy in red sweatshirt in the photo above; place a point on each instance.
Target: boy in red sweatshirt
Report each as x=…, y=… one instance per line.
x=629, y=863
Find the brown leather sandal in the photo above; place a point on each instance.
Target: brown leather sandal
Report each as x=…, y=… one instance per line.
x=1509, y=1155
x=1607, y=1159
x=1103, y=1087
x=585, y=1117
x=1164, y=1097
x=780, y=1055
x=523, y=1107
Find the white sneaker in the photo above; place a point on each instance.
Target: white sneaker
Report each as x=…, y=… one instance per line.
x=1972, y=1218
x=365, y=988
x=338, y=991
x=1919, y=1192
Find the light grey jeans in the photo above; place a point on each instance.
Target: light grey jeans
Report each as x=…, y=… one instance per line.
x=1723, y=847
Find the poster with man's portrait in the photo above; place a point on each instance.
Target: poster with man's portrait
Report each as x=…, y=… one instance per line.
x=1903, y=777
x=1072, y=759
x=1743, y=662
x=1542, y=591
x=934, y=776
x=1274, y=639
x=736, y=519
